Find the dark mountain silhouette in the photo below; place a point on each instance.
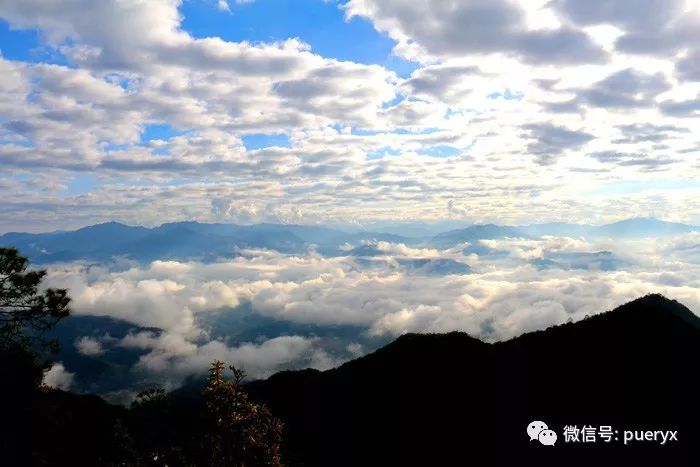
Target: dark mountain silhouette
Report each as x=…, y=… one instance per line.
x=444, y=399
x=424, y=399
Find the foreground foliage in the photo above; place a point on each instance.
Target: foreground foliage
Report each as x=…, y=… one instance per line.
x=25, y=312
x=40, y=425
x=241, y=432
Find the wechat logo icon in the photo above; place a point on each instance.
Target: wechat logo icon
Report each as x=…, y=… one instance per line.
x=540, y=432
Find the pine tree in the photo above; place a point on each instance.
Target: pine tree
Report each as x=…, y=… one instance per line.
x=241, y=432
x=25, y=312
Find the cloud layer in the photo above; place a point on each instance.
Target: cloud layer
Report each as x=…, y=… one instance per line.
x=515, y=110
x=319, y=311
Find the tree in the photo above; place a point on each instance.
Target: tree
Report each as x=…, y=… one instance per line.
x=241, y=432
x=25, y=312
x=156, y=435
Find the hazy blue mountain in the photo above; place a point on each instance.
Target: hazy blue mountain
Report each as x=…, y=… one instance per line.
x=202, y=228
x=423, y=266
x=557, y=229
x=307, y=233
x=209, y=242
x=476, y=232
x=638, y=227
x=183, y=240
x=288, y=238
x=366, y=250
x=434, y=266
x=92, y=242
x=643, y=227
x=358, y=237
x=599, y=260
x=430, y=266
x=415, y=229
x=179, y=240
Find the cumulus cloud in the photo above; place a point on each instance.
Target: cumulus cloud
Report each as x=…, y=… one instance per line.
x=457, y=28
x=89, y=346
x=626, y=88
x=58, y=377
x=500, y=89
x=647, y=26
x=551, y=140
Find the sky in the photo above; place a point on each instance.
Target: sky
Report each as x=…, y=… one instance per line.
x=346, y=112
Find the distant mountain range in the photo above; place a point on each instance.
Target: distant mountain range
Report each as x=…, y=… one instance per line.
x=207, y=242
x=181, y=240
x=630, y=228
x=441, y=399
x=477, y=232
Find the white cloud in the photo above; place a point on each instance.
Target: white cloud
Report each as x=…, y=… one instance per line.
x=258, y=360
x=531, y=99
x=58, y=377
x=446, y=29
x=504, y=296
x=223, y=5
x=89, y=346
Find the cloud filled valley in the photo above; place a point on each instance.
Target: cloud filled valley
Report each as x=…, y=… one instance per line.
x=269, y=311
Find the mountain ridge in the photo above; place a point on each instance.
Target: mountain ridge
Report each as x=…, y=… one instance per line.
x=435, y=399
x=630, y=367
x=209, y=241
x=654, y=303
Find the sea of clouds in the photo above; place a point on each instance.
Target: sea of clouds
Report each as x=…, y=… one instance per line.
x=318, y=311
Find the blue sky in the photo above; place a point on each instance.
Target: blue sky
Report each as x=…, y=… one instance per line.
x=18, y=44
x=27, y=45
x=321, y=24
